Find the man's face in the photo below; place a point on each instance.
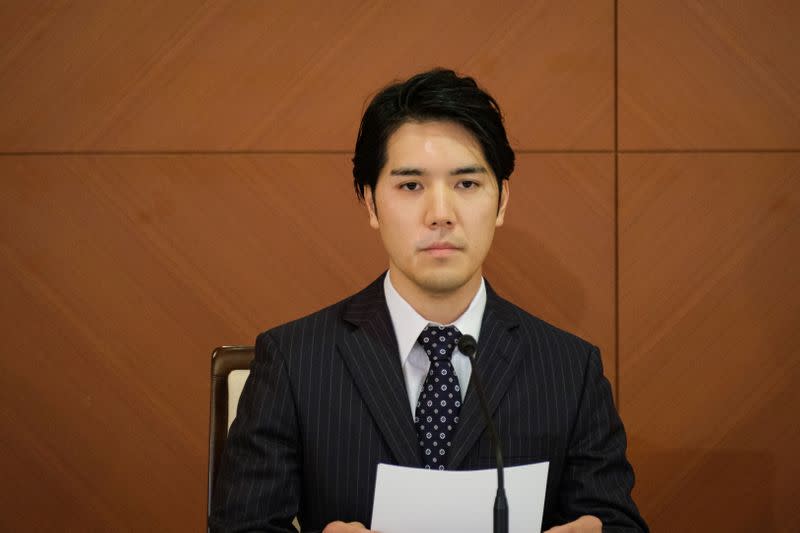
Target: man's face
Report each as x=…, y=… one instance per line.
x=436, y=207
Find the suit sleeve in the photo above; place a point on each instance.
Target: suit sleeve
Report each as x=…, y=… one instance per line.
x=598, y=478
x=258, y=485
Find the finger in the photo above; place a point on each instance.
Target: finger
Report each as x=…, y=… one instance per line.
x=333, y=527
x=342, y=527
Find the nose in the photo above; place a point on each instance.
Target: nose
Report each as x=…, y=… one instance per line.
x=439, y=211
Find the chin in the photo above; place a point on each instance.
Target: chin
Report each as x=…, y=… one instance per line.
x=442, y=282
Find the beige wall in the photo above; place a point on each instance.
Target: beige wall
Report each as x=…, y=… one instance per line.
x=175, y=176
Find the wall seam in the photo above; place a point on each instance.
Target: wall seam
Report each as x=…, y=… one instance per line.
x=616, y=208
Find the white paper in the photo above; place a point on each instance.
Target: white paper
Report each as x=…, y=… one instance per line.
x=419, y=500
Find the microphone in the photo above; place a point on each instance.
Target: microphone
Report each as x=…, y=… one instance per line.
x=469, y=347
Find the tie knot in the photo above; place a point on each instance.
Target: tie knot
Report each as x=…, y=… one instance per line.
x=439, y=341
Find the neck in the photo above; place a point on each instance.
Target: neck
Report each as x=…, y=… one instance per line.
x=441, y=307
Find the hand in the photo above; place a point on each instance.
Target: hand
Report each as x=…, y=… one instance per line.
x=341, y=527
x=584, y=524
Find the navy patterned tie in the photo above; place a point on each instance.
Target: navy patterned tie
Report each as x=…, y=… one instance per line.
x=439, y=402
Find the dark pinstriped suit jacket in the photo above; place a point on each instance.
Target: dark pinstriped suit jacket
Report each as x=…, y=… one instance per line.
x=326, y=402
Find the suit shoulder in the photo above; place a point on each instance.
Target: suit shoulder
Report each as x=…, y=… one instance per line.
x=317, y=323
x=548, y=334
x=329, y=320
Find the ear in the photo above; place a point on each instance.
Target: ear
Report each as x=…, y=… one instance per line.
x=369, y=200
x=501, y=212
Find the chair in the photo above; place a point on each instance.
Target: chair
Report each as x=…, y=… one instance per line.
x=230, y=366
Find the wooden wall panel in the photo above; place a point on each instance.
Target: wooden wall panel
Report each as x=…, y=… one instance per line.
x=709, y=75
x=120, y=273
x=251, y=75
x=555, y=254
x=709, y=338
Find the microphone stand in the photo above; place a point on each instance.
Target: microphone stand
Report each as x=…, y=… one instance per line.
x=469, y=347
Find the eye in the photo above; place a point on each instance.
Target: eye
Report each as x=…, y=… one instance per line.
x=410, y=186
x=468, y=184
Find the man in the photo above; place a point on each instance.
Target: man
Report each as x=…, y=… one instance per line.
x=378, y=377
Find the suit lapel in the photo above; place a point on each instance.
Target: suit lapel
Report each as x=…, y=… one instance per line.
x=499, y=354
x=369, y=350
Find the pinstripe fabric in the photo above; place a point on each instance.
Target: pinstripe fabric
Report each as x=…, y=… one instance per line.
x=326, y=402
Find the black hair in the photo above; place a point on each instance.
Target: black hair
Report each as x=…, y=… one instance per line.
x=435, y=95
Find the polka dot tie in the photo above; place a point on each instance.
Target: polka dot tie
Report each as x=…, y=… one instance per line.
x=439, y=402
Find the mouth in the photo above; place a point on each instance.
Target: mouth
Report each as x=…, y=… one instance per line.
x=441, y=249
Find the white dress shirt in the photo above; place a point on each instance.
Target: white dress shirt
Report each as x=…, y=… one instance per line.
x=408, y=324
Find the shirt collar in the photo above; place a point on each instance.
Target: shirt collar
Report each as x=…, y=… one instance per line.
x=408, y=324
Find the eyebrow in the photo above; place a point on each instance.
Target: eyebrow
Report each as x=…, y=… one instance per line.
x=472, y=169
x=414, y=171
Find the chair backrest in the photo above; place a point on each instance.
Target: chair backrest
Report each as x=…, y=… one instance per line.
x=230, y=366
